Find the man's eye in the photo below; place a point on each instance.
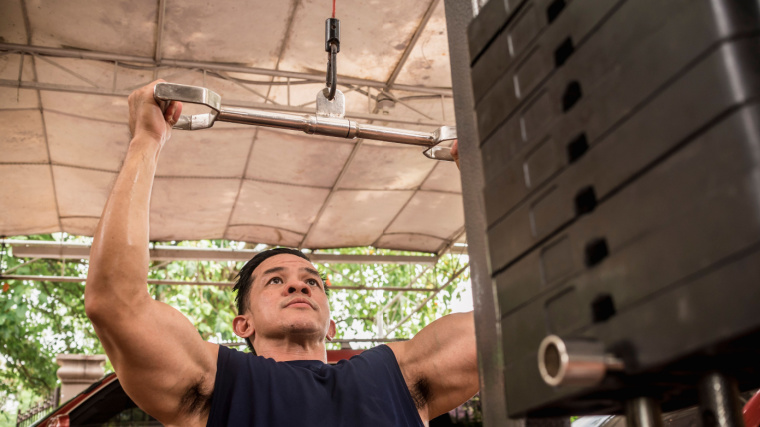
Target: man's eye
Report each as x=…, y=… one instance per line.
x=312, y=282
x=275, y=281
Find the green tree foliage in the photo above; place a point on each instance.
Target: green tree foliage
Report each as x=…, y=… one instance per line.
x=356, y=312
x=210, y=308
x=41, y=319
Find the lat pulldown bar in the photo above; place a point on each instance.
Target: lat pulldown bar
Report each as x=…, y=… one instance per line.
x=329, y=119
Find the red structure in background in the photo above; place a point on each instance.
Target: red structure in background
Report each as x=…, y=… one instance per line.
x=752, y=411
x=333, y=356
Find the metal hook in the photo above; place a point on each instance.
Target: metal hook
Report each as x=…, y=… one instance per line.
x=332, y=71
x=332, y=47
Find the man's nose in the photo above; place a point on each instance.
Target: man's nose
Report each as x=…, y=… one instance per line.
x=299, y=286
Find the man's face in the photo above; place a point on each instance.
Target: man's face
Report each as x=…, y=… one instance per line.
x=287, y=298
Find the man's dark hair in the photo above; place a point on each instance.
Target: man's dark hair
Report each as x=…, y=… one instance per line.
x=244, y=280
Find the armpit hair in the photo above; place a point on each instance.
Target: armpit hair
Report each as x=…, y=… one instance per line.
x=196, y=400
x=420, y=392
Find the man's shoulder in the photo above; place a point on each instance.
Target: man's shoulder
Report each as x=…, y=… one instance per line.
x=233, y=356
x=398, y=348
x=374, y=355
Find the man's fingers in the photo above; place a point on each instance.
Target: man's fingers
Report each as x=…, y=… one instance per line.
x=173, y=112
x=145, y=115
x=455, y=151
x=169, y=114
x=177, y=111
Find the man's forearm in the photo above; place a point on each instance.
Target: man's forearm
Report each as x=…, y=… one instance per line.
x=119, y=256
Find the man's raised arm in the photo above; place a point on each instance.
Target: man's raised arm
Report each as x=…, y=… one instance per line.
x=440, y=364
x=161, y=360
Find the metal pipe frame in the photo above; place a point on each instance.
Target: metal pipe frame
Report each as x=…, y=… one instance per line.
x=211, y=66
x=60, y=250
x=72, y=279
x=89, y=90
x=159, y=32
x=12, y=269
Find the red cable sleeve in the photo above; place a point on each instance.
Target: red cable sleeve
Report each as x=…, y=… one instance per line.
x=333, y=9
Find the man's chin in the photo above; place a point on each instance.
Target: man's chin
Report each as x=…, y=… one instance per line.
x=301, y=327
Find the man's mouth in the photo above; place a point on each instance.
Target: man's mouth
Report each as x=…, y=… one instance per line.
x=299, y=303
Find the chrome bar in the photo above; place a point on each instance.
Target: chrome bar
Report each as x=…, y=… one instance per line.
x=401, y=136
x=249, y=116
x=328, y=126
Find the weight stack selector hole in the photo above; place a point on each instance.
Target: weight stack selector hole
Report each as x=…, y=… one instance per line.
x=555, y=8
x=596, y=251
x=577, y=148
x=563, y=52
x=571, y=96
x=602, y=308
x=585, y=201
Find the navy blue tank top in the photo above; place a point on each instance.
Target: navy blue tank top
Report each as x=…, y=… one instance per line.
x=367, y=390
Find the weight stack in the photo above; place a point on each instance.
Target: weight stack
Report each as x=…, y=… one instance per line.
x=620, y=142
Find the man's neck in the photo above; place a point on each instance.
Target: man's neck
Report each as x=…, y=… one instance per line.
x=284, y=350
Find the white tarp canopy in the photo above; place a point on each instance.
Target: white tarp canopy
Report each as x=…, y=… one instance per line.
x=67, y=66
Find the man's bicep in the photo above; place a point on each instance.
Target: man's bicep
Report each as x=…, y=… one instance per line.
x=444, y=355
x=159, y=356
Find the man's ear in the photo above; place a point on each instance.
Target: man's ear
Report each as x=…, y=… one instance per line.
x=243, y=326
x=331, y=331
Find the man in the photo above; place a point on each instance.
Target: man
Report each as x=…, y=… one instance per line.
x=181, y=380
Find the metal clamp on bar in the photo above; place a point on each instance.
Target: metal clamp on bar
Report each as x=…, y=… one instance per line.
x=329, y=119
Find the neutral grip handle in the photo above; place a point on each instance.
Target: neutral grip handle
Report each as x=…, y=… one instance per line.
x=164, y=93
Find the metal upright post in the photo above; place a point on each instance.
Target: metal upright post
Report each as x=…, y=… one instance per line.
x=643, y=412
x=487, y=327
x=719, y=401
